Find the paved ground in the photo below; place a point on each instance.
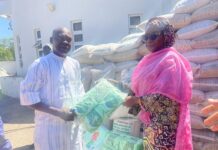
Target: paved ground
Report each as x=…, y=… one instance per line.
x=18, y=123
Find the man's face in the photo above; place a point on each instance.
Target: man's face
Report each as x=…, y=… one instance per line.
x=62, y=41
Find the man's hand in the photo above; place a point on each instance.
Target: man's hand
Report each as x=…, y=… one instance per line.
x=131, y=101
x=211, y=111
x=67, y=115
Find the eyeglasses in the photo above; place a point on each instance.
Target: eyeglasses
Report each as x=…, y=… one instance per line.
x=152, y=36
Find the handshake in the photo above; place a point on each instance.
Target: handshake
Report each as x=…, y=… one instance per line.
x=212, y=112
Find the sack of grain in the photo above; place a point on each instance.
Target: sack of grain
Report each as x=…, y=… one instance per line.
x=209, y=11
x=207, y=70
x=142, y=50
x=197, y=122
x=207, y=84
x=205, y=145
x=123, y=56
x=195, y=109
x=182, y=45
x=131, y=36
x=210, y=146
x=195, y=68
x=197, y=97
x=209, y=40
x=197, y=145
x=206, y=136
x=125, y=65
x=212, y=95
x=108, y=73
x=202, y=55
x=82, y=51
x=90, y=54
x=118, y=76
x=213, y=1
x=91, y=60
x=179, y=20
x=86, y=78
x=176, y=20
x=126, y=75
x=196, y=29
x=128, y=45
x=213, y=45
x=103, y=49
x=102, y=66
x=188, y=6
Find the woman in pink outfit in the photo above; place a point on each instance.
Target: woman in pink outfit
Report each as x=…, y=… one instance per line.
x=161, y=85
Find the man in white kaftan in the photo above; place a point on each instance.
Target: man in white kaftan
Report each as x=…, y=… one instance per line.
x=52, y=86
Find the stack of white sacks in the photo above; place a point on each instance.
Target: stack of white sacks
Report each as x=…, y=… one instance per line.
x=197, y=30
x=113, y=60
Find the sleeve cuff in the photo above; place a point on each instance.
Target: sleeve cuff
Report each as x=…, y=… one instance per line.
x=29, y=98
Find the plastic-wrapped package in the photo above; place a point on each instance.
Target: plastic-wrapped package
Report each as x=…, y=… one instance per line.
x=98, y=104
x=127, y=125
x=118, y=141
x=104, y=139
x=95, y=140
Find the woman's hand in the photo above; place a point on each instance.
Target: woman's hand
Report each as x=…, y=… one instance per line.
x=131, y=101
x=211, y=111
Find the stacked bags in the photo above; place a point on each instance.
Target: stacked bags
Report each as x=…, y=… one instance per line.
x=109, y=60
x=201, y=49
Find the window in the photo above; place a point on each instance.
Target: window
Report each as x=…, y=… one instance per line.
x=77, y=26
x=134, y=20
x=38, y=34
x=78, y=38
x=38, y=42
x=77, y=31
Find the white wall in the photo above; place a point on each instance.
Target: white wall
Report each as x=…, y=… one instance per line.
x=103, y=21
x=5, y=7
x=10, y=86
x=9, y=66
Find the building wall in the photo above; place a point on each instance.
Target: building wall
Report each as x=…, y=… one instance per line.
x=103, y=21
x=5, y=7
x=9, y=66
x=10, y=86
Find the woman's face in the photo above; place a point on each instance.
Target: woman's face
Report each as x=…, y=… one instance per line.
x=153, y=38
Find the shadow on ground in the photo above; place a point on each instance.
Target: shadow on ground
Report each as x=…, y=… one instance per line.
x=27, y=147
x=11, y=111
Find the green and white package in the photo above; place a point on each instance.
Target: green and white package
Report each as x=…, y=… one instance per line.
x=118, y=141
x=98, y=104
x=95, y=140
